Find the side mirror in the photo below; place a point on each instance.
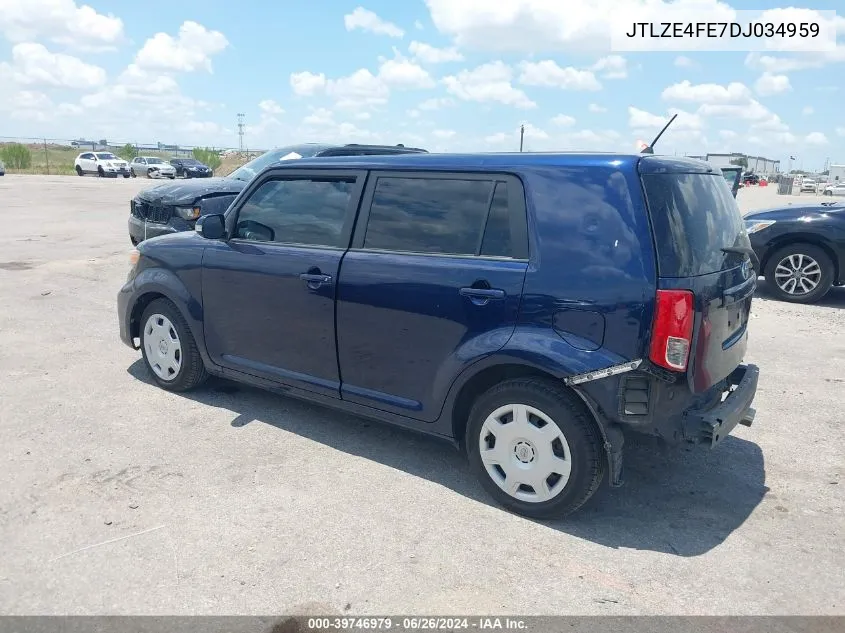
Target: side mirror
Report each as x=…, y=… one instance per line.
x=211, y=227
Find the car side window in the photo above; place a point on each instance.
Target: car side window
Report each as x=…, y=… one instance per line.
x=310, y=211
x=87, y=156
x=453, y=216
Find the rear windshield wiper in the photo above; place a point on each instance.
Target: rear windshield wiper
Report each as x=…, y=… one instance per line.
x=744, y=250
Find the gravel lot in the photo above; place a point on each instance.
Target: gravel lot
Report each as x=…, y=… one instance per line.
x=120, y=498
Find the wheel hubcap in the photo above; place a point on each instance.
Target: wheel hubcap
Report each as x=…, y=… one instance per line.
x=525, y=453
x=163, y=348
x=798, y=274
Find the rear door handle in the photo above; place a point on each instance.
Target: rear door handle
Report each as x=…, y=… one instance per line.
x=482, y=296
x=315, y=280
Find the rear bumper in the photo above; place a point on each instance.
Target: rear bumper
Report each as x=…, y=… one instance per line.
x=715, y=424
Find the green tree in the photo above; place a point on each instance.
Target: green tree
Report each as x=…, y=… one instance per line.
x=16, y=156
x=742, y=161
x=208, y=157
x=127, y=152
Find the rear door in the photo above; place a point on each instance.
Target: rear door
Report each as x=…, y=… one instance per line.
x=433, y=280
x=694, y=216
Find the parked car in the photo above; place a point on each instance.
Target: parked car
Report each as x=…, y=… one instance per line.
x=104, y=164
x=174, y=207
x=530, y=308
x=2, y=168
x=801, y=249
x=751, y=179
x=808, y=185
x=151, y=167
x=835, y=189
x=191, y=168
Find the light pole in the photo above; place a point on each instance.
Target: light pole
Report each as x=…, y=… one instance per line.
x=521, y=136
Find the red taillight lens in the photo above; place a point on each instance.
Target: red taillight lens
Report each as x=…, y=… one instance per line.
x=672, y=335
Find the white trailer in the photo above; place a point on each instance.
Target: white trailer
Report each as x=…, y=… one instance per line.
x=837, y=173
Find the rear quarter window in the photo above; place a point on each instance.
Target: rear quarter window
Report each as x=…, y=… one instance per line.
x=693, y=217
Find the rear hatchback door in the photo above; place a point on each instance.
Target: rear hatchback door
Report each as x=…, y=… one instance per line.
x=694, y=216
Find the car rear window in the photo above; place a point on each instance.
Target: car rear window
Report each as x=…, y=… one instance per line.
x=693, y=217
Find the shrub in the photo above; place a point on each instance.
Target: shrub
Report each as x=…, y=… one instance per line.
x=16, y=156
x=208, y=157
x=127, y=152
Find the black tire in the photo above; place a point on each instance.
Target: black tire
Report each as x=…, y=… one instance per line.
x=172, y=177
x=825, y=280
x=827, y=193
x=192, y=371
x=149, y=171
x=79, y=171
x=574, y=421
x=186, y=175
x=126, y=175
x=133, y=240
x=100, y=172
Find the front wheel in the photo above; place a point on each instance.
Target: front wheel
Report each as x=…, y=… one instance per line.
x=800, y=273
x=827, y=193
x=535, y=448
x=169, y=350
x=100, y=172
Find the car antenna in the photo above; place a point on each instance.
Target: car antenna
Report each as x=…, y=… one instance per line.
x=649, y=149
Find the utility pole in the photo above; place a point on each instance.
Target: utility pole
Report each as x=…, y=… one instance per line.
x=241, y=133
x=46, y=156
x=521, y=136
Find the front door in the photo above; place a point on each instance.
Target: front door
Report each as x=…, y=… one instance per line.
x=432, y=282
x=269, y=290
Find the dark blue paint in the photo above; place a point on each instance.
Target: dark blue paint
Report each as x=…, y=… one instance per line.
x=394, y=337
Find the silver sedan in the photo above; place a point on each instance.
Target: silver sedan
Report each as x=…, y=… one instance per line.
x=151, y=167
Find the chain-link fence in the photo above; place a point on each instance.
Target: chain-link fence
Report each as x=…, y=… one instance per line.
x=56, y=156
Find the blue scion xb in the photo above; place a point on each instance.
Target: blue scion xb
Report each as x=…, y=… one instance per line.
x=533, y=309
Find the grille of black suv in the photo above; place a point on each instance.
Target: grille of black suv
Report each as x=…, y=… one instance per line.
x=156, y=214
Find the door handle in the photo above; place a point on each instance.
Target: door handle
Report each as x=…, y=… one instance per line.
x=482, y=296
x=315, y=280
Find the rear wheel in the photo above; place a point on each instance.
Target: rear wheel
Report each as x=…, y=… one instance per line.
x=169, y=349
x=79, y=171
x=535, y=448
x=800, y=273
x=100, y=172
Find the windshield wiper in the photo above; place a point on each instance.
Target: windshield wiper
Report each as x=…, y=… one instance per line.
x=744, y=250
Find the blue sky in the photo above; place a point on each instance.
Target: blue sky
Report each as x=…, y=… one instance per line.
x=448, y=75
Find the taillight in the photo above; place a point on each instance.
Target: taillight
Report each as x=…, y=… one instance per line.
x=671, y=337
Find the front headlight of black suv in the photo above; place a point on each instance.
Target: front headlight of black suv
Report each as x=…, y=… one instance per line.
x=188, y=213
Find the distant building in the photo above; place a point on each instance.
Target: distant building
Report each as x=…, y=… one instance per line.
x=836, y=174
x=757, y=164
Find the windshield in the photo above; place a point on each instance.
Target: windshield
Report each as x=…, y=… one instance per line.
x=248, y=171
x=106, y=156
x=154, y=161
x=693, y=217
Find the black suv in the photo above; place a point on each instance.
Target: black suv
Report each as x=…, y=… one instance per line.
x=175, y=206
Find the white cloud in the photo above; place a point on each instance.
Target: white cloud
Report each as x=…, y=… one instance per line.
x=268, y=106
x=205, y=129
x=366, y=20
x=360, y=89
x=596, y=108
x=728, y=135
x=27, y=105
x=840, y=131
x=734, y=92
x=642, y=120
x=488, y=82
x=436, y=103
x=33, y=64
x=363, y=116
x=190, y=50
x=807, y=110
x=404, y=73
x=444, y=134
x=769, y=84
x=563, y=120
x=414, y=113
x=61, y=21
x=545, y=26
x=548, y=74
x=307, y=84
x=682, y=61
x=496, y=139
x=816, y=138
x=320, y=116
x=611, y=67
x=428, y=54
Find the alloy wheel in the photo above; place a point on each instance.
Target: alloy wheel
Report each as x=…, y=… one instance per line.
x=798, y=274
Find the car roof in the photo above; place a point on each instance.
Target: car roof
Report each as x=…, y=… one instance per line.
x=513, y=160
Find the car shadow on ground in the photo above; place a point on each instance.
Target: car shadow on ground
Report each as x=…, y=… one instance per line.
x=835, y=298
x=677, y=500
